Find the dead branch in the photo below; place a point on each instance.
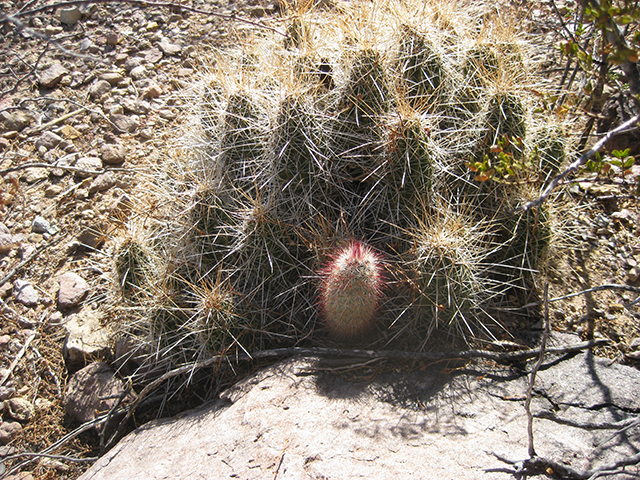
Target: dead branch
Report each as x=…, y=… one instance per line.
x=553, y=183
x=534, y=372
x=51, y=166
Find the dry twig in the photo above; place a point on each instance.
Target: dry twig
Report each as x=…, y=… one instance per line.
x=553, y=183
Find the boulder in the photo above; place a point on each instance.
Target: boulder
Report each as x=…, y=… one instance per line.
x=297, y=420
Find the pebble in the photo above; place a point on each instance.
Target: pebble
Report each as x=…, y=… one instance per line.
x=53, y=191
x=112, y=39
x=137, y=106
x=52, y=75
x=99, y=89
x=6, y=392
x=124, y=123
x=88, y=165
x=34, y=174
x=169, y=48
x=86, y=336
x=73, y=289
x=70, y=16
x=21, y=409
x=152, y=55
x=138, y=73
x=7, y=243
x=103, y=182
x=113, y=154
x=25, y=293
x=633, y=275
x=9, y=431
x=152, y=91
x=48, y=140
x=112, y=77
x=42, y=225
x=15, y=121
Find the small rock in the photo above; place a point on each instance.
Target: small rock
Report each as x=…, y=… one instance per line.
x=48, y=140
x=169, y=48
x=52, y=75
x=87, y=166
x=102, y=182
x=4, y=341
x=112, y=77
x=112, y=39
x=21, y=409
x=132, y=62
x=167, y=114
x=6, y=392
x=15, y=121
x=70, y=16
x=73, y=289
x=24, y=293
x=153, y=55
x=92, y=391
x=138, y=73
x=7, y=242
x=152, y=91
x=113, y=154
x=53, y=191
x=9, y=431
x=34, y=174
x=137, y=106
x=124, y=123
x=99, y=89
x=633, y=275
x=146, y=133
x=86, y=337
x=90, y=239
x=87, y=45
x=6, y=451
x=42, y=225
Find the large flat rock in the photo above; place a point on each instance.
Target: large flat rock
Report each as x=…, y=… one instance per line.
x=295, y=420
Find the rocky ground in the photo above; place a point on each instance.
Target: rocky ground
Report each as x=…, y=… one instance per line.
x=78, y=133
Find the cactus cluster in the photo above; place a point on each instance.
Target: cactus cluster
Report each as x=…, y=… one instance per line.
x=325, y=178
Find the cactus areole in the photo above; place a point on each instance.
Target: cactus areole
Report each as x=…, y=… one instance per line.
x=351, y=288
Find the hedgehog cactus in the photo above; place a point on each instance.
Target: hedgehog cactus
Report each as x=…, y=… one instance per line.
x=351, y=289
x=359, y=124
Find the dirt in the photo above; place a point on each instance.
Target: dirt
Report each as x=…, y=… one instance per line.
x=603, y=248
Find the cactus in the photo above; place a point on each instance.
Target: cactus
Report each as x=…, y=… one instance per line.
x=306, y=151
x=351, y=289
